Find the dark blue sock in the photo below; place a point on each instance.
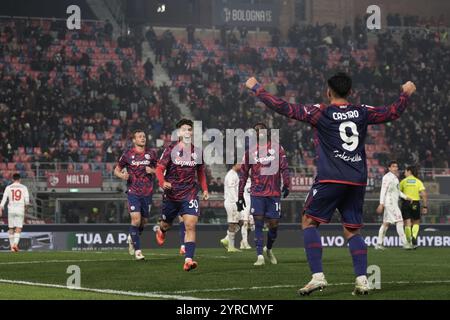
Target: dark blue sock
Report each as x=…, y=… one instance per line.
x=259, y=236
x=134, y=233
x=190, y=249
x=182, y=231
x=271, y=237
x=313, y=249
x=358, y=250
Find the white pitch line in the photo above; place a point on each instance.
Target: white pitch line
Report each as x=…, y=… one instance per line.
x=295, y=286
x=62, y=261
x=150, y=254
x=105, y=291
x=92, y=260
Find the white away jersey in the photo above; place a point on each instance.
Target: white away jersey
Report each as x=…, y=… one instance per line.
x=231, y=186
x=17, y=196
x=390, y=191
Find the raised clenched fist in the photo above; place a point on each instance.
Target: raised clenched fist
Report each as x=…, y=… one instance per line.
x=251, y=82
x=409, y=88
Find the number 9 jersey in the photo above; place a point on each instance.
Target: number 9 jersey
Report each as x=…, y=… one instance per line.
x=340, y=134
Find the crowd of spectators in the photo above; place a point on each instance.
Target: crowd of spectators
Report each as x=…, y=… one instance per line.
x=421, y=137
x=398, y=20
x=49, y=114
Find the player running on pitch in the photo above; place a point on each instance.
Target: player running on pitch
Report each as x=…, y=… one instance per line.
x=180, y=162
x=18, y=200
x=140, y=164
x=389, y=197
x=341, y=129
x=266, y=172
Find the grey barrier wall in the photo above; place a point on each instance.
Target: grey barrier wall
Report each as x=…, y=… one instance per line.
x=90, y=237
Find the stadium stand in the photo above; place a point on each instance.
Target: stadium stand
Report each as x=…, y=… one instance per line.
x=77, y=94
x=72, y=96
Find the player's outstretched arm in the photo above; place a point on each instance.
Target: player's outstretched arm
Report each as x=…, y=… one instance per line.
x=393, y=111
x=295, y=111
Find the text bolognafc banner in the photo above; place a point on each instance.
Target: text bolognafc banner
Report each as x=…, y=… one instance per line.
x=236, y=14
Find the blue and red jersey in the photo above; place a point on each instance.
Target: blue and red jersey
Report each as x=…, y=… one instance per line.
x=139, y=183
x=182, y=165
x=266, y=170
x=340, y=134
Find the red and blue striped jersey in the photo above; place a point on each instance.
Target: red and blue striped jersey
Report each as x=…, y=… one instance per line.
x=340, y=134
x=181, y=171
x=266, y=171
x=139, y=182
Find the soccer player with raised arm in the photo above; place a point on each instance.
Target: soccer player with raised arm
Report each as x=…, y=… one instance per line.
x=341, y=129
x=267, y=171
x=18, y=200
x=136, y=166
x=183, y=165
x=389, y=196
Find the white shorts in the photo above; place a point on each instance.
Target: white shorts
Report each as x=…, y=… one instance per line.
x=392, y=214
x=15, y=219
x=245, y=214
x=233, y=216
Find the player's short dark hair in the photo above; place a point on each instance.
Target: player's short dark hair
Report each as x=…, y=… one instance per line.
x=137, y=130
x=341, y=84
x=16, y=176
x=392, y=162
x=183, y=122
x=412, y=169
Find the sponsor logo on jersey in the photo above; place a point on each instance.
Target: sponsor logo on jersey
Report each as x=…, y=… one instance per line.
x=138, y=163
x=347, y=158
x=266, y=159
x=182, y=163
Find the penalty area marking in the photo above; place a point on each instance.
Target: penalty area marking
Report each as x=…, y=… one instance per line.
x=105, y=291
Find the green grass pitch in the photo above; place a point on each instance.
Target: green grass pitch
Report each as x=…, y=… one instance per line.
x=419, y=274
